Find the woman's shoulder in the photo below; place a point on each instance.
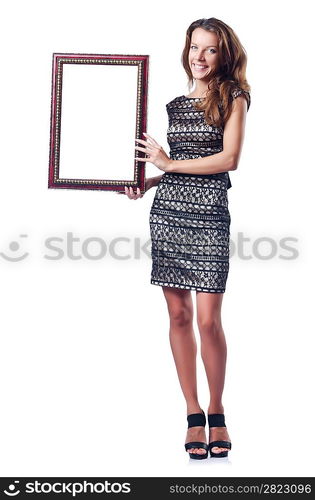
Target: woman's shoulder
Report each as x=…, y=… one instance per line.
x=237, y=91
x=175, y=101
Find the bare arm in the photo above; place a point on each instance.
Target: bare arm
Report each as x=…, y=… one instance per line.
x=227, y=159
x=153, y=181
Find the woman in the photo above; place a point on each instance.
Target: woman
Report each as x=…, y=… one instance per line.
x=190, y=219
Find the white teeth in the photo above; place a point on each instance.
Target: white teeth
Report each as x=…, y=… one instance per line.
x=200, y=67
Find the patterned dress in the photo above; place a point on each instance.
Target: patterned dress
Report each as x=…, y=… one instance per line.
x=189, y=218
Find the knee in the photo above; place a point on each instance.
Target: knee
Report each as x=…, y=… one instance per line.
x=181, y=317
x=209, y=326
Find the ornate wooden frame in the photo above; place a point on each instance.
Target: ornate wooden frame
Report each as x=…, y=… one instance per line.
x=137, y=168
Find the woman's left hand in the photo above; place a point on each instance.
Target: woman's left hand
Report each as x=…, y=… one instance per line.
x=156, y=153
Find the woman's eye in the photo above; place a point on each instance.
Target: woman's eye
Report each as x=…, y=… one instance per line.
x=194, y=47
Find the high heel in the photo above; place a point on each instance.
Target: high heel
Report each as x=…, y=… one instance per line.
x=218, y=420
x=194, y=420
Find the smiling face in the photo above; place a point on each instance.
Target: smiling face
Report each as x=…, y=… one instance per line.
x=203, y=53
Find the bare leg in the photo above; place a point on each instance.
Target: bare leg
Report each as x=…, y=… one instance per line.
x=184, y=349
x=214, y=354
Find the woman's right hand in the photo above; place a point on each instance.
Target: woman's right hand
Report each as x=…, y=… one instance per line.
x=134, y=196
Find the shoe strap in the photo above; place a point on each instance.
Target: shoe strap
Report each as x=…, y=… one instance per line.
x=196, y=419
x=216, y=420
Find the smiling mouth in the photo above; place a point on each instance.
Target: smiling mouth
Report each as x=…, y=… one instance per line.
x=199, y=67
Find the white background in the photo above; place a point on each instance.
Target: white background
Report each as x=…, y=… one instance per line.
x=88, y=382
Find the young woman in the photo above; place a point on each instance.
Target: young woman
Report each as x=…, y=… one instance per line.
x=190, y=219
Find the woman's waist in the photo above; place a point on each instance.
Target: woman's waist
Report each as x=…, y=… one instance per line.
x=191, y=151
x=221, y=178
x=219, y=175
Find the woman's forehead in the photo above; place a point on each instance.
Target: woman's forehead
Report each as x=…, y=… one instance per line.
x=199, y=35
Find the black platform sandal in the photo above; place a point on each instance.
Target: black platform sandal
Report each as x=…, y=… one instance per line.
x=218, y=420
x=194, y=420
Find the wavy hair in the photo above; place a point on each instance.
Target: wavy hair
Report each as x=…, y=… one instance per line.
x=226, y=78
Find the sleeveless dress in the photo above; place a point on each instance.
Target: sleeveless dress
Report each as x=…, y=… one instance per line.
x=189, y=217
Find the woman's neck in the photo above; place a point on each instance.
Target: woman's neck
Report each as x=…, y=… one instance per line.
x=201, y=89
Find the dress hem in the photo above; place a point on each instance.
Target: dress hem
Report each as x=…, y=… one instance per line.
x=187, y=287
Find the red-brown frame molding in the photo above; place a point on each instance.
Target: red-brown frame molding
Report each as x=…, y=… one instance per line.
x=58, y=60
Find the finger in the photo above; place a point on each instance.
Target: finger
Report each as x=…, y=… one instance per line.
x=132, y=194
x=142, y=149
x=127, y=190
x=138, y=194
x=142, y=159
x=145, y=143
x=149, y=147
x=154, y=142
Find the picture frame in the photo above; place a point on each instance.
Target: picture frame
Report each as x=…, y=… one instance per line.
x=98, y=110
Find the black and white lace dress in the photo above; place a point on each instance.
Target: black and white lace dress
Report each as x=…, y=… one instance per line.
x=189, y=218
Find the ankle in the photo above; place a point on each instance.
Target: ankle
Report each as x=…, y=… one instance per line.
x=215, y=408
x=193, y=407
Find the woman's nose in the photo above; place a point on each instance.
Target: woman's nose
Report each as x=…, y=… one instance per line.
x=200, y=57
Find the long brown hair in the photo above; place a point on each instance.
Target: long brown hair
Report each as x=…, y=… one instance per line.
x=229, y=75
